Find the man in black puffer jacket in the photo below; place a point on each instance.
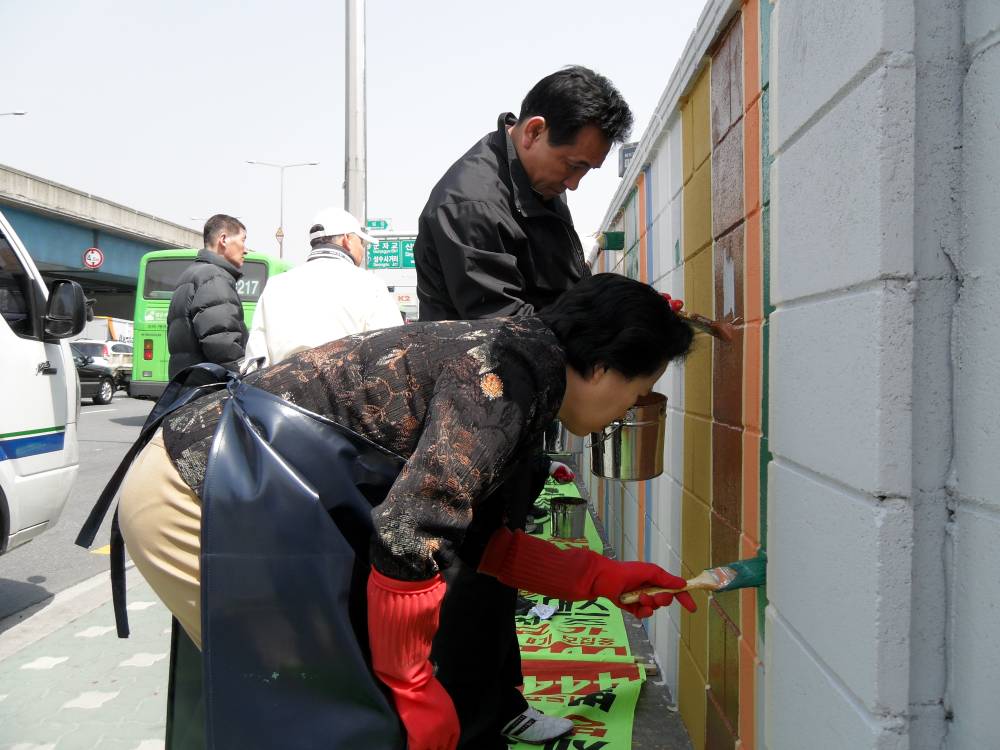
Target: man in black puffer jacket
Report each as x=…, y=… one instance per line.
x=205, y=321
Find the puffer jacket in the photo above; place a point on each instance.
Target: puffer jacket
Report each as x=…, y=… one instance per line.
x=205, y=321
x=487, y=245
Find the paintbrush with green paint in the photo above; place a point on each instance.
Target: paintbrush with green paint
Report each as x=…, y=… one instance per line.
x=736, y=575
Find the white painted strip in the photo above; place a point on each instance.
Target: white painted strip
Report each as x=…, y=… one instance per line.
x=90, y=701
x=45, y=662
x=96, y=411
x=94, y=631
x=143, y=660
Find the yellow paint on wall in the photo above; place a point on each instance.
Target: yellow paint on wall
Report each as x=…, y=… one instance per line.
x=695, y=525
x=691, y=698
x=699, y=285
x=698, y=467
x=701, y=112
x=697, y=211
x=687, y=147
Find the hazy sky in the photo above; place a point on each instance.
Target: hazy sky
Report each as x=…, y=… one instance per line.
x=157, y=105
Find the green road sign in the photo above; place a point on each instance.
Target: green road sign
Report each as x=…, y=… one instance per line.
x=406, y=251
x=384, y=255
x=396, y=252
x=377, y=224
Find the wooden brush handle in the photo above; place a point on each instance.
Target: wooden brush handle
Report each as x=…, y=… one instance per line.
x=631, y=597
x=704, y=581
x=719, y=328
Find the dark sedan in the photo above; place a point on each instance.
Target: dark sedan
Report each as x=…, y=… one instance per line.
x=97, y=378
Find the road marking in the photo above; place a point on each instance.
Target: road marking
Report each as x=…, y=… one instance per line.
x=105, y=550
x=95, y=411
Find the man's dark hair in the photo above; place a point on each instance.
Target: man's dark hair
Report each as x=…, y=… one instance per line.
x=221, y=224
x=574, y=97
x=619, y=323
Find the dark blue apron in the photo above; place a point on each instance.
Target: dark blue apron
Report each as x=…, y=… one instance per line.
x=286, y=524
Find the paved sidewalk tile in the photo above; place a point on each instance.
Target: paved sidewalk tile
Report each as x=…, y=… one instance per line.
x=83, y=688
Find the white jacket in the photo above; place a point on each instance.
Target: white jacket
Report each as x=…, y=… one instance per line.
x=324, y=299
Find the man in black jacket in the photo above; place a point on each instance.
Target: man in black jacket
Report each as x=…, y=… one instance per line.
x=496, y=238
x=205, y=321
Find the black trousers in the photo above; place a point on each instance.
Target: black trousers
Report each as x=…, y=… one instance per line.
x=475, y=650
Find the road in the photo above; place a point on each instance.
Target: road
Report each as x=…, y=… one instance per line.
x=36, y=571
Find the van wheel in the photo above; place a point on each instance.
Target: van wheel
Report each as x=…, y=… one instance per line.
x=105, y=391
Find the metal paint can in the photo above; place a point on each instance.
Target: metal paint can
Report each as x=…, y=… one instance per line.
x=631, y=448
x=569, y=517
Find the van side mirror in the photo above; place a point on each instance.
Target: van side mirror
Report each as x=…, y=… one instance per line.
x=66, y=311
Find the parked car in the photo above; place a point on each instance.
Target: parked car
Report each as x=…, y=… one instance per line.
x=114, y=354
x=97, y=377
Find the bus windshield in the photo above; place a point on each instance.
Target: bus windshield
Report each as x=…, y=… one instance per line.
x=162, y=277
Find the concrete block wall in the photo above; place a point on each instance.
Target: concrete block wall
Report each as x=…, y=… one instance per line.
x=851, y=222
x=840, y=516
x=973, y=650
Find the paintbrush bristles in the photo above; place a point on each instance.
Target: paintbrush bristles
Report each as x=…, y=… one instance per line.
x=745, y=573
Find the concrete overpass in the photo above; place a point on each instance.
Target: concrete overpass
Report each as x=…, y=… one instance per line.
x=58, y=224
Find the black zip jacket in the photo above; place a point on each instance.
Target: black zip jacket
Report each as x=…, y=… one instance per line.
x=205, y=321
x=487, y=245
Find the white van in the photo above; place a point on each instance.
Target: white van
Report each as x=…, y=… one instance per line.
x=41, y=401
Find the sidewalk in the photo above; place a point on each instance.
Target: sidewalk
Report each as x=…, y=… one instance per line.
x=67, y=682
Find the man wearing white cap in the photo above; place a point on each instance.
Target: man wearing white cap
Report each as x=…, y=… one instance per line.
x=326, y=298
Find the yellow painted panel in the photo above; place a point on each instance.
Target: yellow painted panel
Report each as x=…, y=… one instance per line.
x=692, y=700
x=687, y=139
x=699, y=287
x=697, y=210
x=701, y=114
x=697, y=463
x=696, y=530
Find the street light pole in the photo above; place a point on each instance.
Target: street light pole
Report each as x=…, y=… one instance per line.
x=355, y=130
x=280, y=234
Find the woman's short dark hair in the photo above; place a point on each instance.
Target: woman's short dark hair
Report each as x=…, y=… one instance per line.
x=574, y=97
x=612, y=321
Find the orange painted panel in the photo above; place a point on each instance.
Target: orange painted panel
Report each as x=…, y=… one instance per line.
x=753, y=269
x=751, y=158
x=751, y=50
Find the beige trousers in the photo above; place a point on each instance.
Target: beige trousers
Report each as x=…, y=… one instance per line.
x=160, y=519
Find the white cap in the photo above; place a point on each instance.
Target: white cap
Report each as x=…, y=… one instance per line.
x=334, y=221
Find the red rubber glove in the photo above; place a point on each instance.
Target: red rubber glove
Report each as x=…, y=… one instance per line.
x=675, y=304
x=402, y=621
x=523, y=561
x=561, y=472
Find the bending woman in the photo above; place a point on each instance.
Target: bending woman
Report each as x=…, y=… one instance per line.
x=457, y=403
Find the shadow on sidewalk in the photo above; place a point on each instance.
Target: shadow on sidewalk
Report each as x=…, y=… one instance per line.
x=27, y=597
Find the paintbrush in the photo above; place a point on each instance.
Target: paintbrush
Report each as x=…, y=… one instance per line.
x=721, y=329
x=736, y=575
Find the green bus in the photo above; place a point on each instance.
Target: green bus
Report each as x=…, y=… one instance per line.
x=159, y=272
